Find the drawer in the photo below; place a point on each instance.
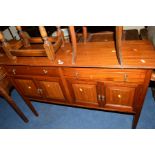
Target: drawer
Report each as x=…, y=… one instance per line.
x=128, y=75
x=27, y=70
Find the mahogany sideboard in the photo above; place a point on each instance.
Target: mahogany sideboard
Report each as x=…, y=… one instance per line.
x=95, y=81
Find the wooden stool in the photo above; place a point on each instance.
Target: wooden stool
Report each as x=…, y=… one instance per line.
x=43, y=46
x=5, y=86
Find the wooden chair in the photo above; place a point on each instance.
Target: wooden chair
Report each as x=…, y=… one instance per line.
x=118, y=41
x=33, y=46
x=98, y=36
x=5, y=87
x=107, y=34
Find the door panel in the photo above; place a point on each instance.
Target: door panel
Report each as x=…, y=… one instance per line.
x=52, y=89
x=85, y=93
x=119, y=95
x=28, y=87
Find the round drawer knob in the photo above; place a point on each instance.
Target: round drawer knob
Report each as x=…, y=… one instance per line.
x=81, y=90
x=119, y=96
x=29, y=87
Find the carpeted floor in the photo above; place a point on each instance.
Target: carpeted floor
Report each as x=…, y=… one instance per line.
x=63, y=117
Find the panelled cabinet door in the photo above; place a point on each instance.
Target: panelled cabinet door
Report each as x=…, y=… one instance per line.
x=52, y=89
x=28, y=87
x=120, y=96
x=84, y=92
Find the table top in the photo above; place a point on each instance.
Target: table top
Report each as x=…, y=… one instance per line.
x=135, y=54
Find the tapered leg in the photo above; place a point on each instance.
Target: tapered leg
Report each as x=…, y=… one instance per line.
x=141, y=93
x=135, y=120
x=13, y=105
x=28, y=102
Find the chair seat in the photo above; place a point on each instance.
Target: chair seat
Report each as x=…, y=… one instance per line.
x=109, y=36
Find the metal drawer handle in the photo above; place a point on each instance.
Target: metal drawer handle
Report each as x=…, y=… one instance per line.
x=76, y=74
x=40, y=91
x=125, y=77
x=45, y=71
x=102, y=98
x=14, y=71
x=99, y=97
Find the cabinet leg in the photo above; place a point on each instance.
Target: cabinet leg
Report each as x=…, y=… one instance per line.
x=29, y=104
x=14, y=106
x=135, y=120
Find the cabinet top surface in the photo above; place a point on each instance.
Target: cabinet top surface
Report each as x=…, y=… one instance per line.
x=135, y=54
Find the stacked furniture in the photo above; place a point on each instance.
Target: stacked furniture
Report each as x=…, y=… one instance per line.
x=111, y=75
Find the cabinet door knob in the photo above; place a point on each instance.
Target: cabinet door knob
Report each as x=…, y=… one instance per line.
x=29, y=87
x=102, y=98
x=45, y=71
x=14, y=71
x=99, y=97
x=81, y=90
x=119, y=96
x=40, y=91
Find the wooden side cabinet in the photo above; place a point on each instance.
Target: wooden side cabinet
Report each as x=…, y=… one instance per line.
x=112, y=76
x=120, y=90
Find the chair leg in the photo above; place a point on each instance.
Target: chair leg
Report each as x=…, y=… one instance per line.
x=13, y=105
x=29, y=104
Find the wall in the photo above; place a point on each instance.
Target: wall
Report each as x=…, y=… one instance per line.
x=14, y=32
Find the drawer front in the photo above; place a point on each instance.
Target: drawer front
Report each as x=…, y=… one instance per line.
x=17, y=70
x=126, y=75
x=26, y=70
